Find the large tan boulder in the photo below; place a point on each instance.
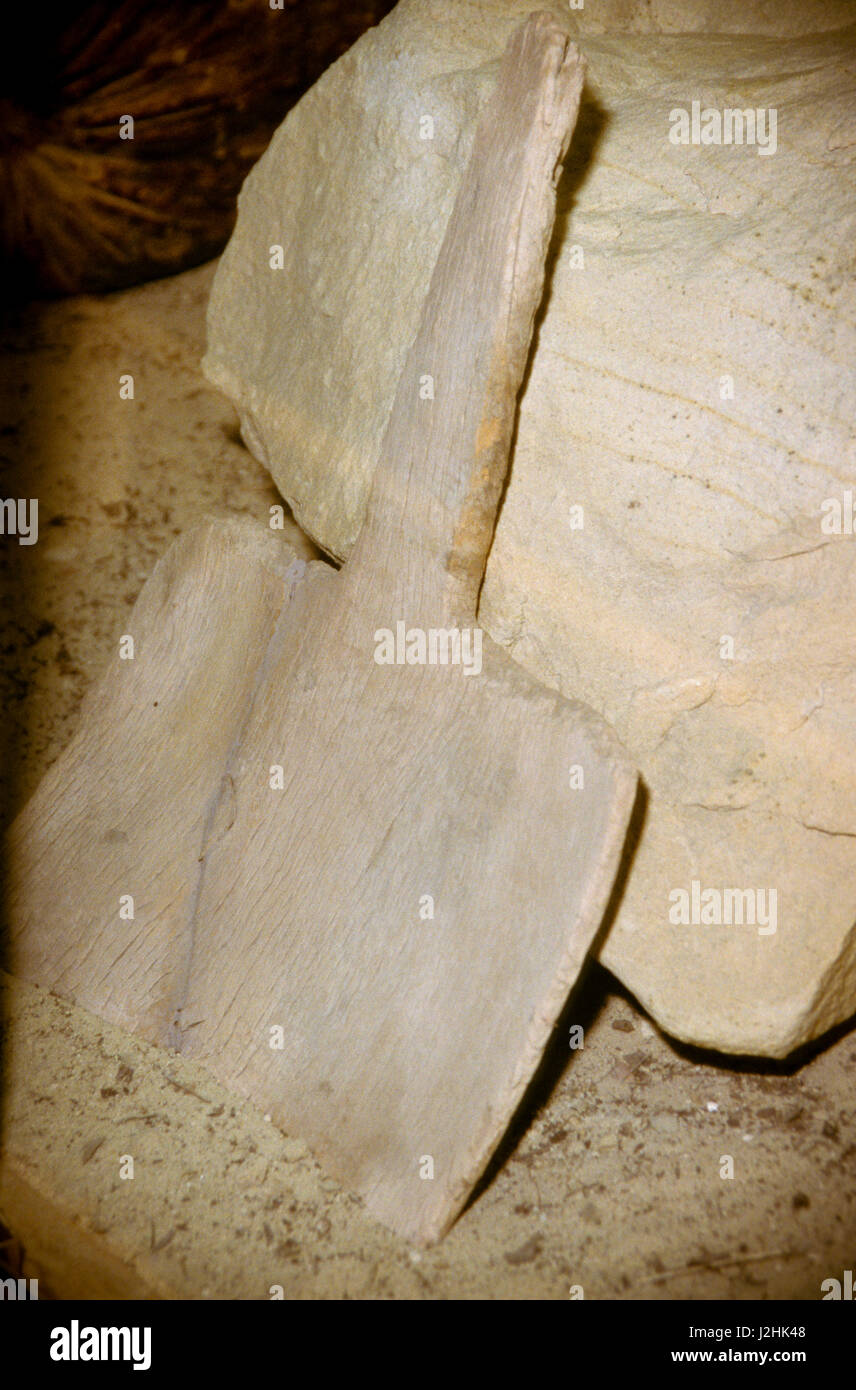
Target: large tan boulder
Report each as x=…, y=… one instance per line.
x=676, y=542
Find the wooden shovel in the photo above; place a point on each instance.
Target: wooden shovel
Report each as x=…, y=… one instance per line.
x=363, y=877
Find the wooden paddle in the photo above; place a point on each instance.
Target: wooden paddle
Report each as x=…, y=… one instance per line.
x=362, y=888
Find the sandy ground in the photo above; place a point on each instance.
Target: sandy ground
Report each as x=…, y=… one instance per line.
x=610, y=1178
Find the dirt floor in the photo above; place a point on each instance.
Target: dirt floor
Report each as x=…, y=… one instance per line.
x=611, y=1178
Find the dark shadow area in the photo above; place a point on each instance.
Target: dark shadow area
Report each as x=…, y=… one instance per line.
x=760, y=1066
x=592, y=124
x=89, y=202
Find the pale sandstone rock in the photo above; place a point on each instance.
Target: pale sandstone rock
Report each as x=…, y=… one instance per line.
x=702, y=514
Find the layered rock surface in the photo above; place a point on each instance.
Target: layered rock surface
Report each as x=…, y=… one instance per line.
x=676, y=542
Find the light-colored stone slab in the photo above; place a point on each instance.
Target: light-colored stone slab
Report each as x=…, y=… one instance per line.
x=701, y=607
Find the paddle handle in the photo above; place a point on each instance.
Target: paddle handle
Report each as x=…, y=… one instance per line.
x=439, y=479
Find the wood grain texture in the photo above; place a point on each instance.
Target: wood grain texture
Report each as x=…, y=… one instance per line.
x=281, y=933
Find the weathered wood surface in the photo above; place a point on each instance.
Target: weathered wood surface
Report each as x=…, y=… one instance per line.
x=281, y=931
